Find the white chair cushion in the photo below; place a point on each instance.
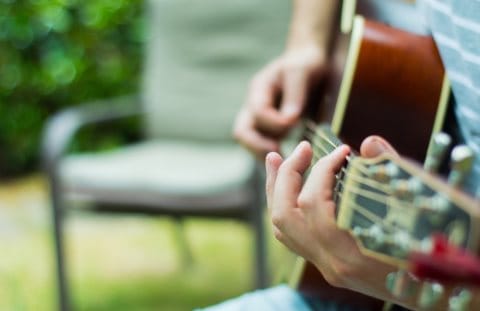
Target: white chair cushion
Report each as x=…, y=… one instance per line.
x=163, y=172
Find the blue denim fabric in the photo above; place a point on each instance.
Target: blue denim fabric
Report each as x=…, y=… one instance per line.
x=279, y=298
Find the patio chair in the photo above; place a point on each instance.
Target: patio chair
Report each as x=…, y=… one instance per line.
x=199, y=57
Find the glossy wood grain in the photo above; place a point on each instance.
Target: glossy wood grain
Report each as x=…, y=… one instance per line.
x=396, y=90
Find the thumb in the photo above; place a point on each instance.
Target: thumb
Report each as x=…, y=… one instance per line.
x=374, y=146
x=295, y=90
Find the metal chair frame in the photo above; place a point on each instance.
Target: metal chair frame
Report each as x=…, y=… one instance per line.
x=58, y=135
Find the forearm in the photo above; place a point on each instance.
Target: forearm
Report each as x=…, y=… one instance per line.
x=312, y=23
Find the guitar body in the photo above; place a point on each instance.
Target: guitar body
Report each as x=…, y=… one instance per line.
x=395, y=91
x=389, y=83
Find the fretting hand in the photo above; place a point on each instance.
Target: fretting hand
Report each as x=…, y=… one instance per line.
x=303, y=216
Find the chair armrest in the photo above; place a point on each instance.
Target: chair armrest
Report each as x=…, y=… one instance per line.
x=62, y=127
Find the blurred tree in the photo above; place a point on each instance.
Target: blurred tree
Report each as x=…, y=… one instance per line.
x=56, y=53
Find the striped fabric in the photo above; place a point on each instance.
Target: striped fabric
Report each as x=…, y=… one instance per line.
x=455, y=25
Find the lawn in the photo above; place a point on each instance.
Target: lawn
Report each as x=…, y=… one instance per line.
x=116, y=262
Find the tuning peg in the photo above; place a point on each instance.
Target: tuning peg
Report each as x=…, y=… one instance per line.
x=373, y=237
x=383, y=173
x=436, y=151
x=430, y=294
x=401, y=284
x=461, y=163
x=457, y=232
x=460, y=301
x=406, y=189
x=435, y=208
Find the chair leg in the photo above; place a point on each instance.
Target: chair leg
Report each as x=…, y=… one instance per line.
x=62, y=279
x=182, y=243
x=261, y=277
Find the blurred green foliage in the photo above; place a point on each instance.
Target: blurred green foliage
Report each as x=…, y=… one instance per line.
x=57, y=53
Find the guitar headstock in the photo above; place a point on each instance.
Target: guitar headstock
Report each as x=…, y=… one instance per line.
x=393, y=207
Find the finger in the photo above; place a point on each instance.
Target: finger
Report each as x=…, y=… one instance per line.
x=257, y=143
x=288, y=241
x=263, y=93
x=321, y=180
x=374, y=146
x=246, y=134
x=295, y=90
x=290, y=177
x=272, y=162
x=282, y=238
x=272, y=123
x=263, y=97
x=267, y=117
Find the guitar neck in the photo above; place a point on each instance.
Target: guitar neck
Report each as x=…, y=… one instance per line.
x=394, y=88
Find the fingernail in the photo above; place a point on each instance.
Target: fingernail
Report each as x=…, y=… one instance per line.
x=300, y=146
x=267, y=159
x=267, y=165
x=343, y=148
x=377, y=145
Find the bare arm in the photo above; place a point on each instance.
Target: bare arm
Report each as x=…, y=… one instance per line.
x=263, y=121
x=312, y=23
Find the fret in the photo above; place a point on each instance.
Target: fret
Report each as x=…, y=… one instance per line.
x=345, y=214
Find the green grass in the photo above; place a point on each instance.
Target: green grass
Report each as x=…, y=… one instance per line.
x=116, y=262
x=138, y=267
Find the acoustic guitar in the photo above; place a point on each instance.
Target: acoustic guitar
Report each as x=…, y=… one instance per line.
x=387, y=82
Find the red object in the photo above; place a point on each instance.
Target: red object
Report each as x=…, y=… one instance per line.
x=446, y=263
x=397, y=80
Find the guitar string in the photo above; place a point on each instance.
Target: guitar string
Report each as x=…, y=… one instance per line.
x=381, y=198
x=310, y=125
x=388, y=226
x=324, y=152
x=361, y=180
x=313, y=136
x=369, y=182
x=362, y=210
x=375, y=219
x=318, y=147
x=365, y=181
x=313, y=133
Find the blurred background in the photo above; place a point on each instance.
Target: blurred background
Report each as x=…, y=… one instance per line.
x=56, y=54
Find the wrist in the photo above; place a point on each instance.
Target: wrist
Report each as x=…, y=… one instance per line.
x=305, y=36
x=308, y=54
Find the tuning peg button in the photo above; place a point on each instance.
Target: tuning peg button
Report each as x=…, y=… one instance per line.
x=461, y=164
x=374, y=237
x=406, y=189
x=460, y=301
x=383, y=173
x=401, y=284
x=436, y=151
x=430, y=294
x=435, y=208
